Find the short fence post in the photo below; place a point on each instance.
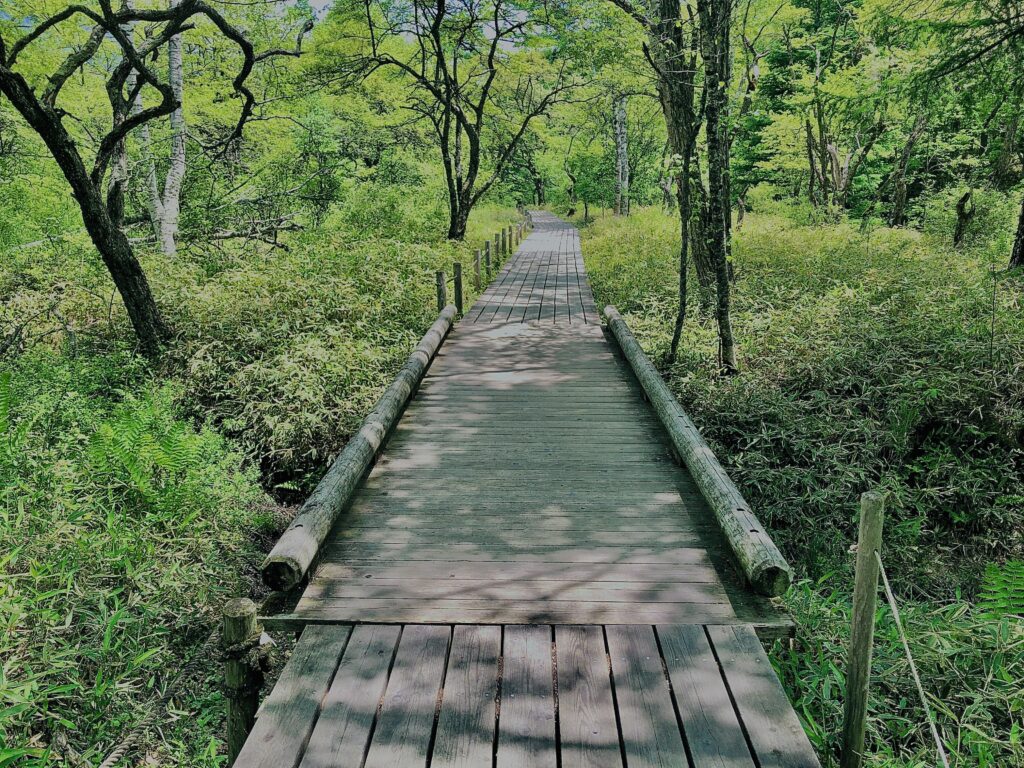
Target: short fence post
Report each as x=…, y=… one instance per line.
x=442, y=290
x=487, y=259
x=497, y=249
x=242, y=678
x=476, y=270
x=862, y=633
x=457, y=280
x=510, y=244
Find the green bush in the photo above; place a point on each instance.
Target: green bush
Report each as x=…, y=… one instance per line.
x=121, y=527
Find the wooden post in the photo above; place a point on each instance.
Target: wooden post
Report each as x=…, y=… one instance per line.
x=242, y=678
x=497, y=249
x=442, y=290
x=487, y=259
x=510, y=243
x=457, y=279
x=865, y=591
x=504, y=243
x=476, y=270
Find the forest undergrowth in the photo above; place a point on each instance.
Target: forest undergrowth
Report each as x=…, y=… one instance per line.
x=871, y=359
x=134, y=500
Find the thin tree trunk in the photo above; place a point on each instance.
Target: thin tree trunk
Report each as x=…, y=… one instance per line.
x=715, y=20
x=964, y=213
x=621, y=157
x=1017, y=256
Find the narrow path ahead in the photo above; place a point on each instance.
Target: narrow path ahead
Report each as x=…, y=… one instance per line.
x=532, y=579
x=528, y=481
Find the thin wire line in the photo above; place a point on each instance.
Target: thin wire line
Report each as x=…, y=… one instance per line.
x=913, y=668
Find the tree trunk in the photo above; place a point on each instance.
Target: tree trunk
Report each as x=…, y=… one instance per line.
x=715, y=20
x=621, y=157
x=898, y=214
x=964, y=213
x=673, y=56
x=113, y=246
x=165, y=207
x=1017, y=256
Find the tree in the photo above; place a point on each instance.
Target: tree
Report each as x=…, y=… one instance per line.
x=476, y=77
x=130, y=80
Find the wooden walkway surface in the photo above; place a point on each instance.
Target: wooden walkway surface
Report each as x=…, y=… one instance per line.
x=528, y=481
x=391, y=696
x=533, y=580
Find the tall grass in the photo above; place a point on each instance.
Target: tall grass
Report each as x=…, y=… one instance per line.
x=881, y=359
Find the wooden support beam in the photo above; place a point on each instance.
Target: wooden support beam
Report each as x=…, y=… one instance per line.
x=291, y=557
x=457, y=281
x=442, y=289
x=862, y=634
x=761, y=561
x=243, y=679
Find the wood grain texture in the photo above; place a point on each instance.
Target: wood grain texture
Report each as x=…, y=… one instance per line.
x=775, y=732
x=710, y=723
x=589, y=734
x=405, y=725
x=647, y=717
x=526, y=727
x=287, y=717
x=575, y=696
x=342, y=732
x=467, y=722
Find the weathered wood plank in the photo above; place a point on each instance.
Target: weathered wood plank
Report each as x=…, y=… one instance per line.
x=647, y=717
x=526, y=726
x=405, y=724
x=588, y=729
x=775, y=732
x=709, y=721
x=467, y=723
x=286, y=719
x=350, y=707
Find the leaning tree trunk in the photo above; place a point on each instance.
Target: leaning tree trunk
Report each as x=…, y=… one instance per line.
x=621, y=157
x=1017, y=256
x=114, y=248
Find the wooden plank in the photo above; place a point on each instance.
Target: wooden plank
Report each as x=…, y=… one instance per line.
x=588, y=730
x=466, y=726
x=775, y=733
x=405, y=724
x=346, y=552
x=647, y=717
x=287, y=717
x=710, y=723
x=515, y=612
x=526, y=726
x=517, y=572
x=549, y=591
x=350, y=707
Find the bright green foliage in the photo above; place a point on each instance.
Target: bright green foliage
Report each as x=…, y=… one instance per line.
x=122, y=527
x=971, y=665
x=1002, y=590
x=870, y=361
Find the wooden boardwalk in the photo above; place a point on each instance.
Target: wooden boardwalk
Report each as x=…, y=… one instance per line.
x=392, y=696
x=532, y=579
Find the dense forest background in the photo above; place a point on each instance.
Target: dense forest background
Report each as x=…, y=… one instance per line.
x=219, y=224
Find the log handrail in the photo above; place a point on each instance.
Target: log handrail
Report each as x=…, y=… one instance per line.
x=762, y=563
x=290, y=559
